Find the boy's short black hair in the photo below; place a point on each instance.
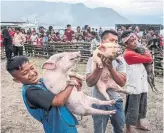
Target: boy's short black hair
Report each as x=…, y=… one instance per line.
x=15, y=63
x=106, y=32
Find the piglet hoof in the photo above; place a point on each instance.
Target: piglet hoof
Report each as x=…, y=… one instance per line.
x=72, y=82
x=111, y=102
x=122, y=91
x=112, y=112
x=72, y=74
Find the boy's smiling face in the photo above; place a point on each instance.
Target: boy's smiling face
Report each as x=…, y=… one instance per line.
x=27, y=74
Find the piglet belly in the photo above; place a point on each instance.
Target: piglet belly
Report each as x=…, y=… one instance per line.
x=76, y=102
x=112, y=84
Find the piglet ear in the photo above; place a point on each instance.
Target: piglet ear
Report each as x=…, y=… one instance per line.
x=49, y=65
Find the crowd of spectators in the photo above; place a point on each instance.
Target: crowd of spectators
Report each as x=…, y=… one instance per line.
x=149, y=38
x=40, y=37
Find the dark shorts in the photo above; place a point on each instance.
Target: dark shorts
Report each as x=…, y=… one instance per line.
x=135, y=108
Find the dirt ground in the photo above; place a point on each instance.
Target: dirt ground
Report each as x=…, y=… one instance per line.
x=16, y=119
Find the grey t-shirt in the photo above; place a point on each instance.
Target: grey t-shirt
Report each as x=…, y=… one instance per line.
x=120, y=67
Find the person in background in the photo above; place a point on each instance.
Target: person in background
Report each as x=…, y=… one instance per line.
x=34, y=38
x=23, y=31
x=18, y=42
x=34, y=30
x=28, y=37
x=149, y=35
x=7, y=42
x=95, y=43
x=96, y=31
x=69, y=32
x=80, y=39
x=78, y=32
x=52, y=37
x=45, y=41
x=30, y=31
x=1, y=45
x=58, y=39
x=137, y=33
x=65, y=39
x=123, y=28
x=144, y=41
x=100, y=31
x=74, y=40
x=41, y=30
x=137, y=84
x=119, y=32
x=49, y=30
x=40, y=41
x=129, y=27
x=11, y=32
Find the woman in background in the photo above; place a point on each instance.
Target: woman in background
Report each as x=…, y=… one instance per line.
x=7, y=42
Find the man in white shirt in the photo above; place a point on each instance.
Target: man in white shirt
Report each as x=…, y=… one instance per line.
x=34, y=38
x=18, y=41
x=137, y=84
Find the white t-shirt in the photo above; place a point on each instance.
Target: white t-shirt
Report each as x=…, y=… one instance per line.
x=136, y=79
x=34, y=39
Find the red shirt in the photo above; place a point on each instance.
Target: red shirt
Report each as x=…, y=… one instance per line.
x=40, y=42
x=161, y=40
x=69, y=34
x=28, y=39
x=1, y=39
x=131, y=57
x=11, y=33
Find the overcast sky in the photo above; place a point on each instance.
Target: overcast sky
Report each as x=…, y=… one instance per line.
x=124, y=7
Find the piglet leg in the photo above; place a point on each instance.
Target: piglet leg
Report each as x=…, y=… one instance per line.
x=102, y=89
x=92, y=100
x=92, y=111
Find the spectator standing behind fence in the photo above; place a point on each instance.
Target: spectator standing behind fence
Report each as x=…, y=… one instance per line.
x=149, y=35
x=40, y=41
x=123, y=28
x=74, y=40
x=52, y=36
x=28, y=38
x=69, y=32
x=137, y=33
x=58, y=39
x=144, y=41
x=49, y=30
x=100, y=31
x=34, y=38
x=7, y=42
x=65, y=39
x=119, y=31
x=1, y=45
x=78, y=32
x=18, y=41
x=45, y=41
x=137, y=85
x=11, y=32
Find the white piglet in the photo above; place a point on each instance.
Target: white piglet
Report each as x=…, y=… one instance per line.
x=112, y=52
x=58, y=69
